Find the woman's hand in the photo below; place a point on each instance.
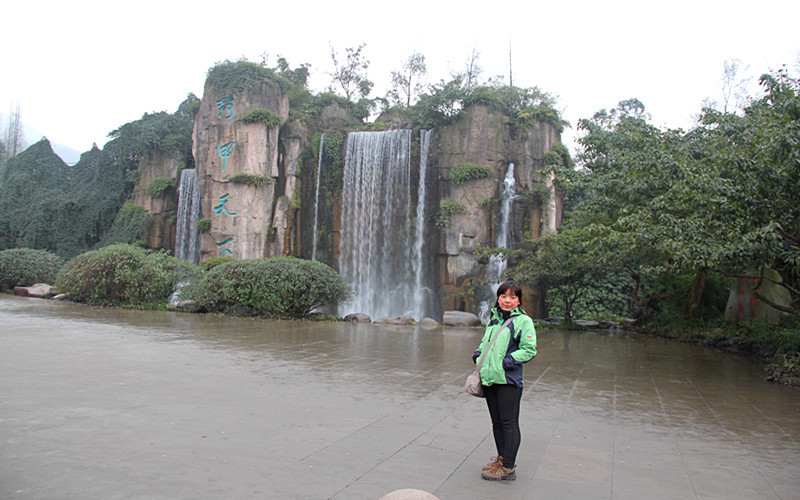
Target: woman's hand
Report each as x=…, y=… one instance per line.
x=509, y=363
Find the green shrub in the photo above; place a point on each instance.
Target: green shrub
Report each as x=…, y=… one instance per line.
x=203, y=225
x=233, y=77
x=177, y=269
x=158, y=187
x=254, y=180
x=280, y=286
x=261, y=115
x=553, y=158
x=25, y=267
x=213, y=262
x=464, y=172
x=447, y=209
x=130, y=226
x=121, y=274
x=488, y=203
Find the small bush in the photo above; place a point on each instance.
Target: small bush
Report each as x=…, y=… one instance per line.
x=130, y=225
x=213, y=262
x=158, y=187
x=122, y=274
x=203, y=225
x=464, y=172
x=254, y=180
x=280, y=286
x=552, y=158
x=261, y=115
x=26, y=267
x=447, y=209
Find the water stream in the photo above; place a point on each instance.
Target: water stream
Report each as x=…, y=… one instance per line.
x=379, y=240
x=316, y=199
x=497, y=264
x=186, y=236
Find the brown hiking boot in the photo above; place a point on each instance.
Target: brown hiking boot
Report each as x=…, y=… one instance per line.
x=496, y=462
x=500, y=474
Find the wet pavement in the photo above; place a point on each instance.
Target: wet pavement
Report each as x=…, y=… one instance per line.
x=113, y=404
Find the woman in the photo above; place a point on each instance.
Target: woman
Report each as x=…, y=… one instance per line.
x=501, y=376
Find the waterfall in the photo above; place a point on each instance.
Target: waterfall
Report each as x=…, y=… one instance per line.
x=497, y=264
x=316, y=202
x=422, y=291
x=376, y=245
x=188, y=212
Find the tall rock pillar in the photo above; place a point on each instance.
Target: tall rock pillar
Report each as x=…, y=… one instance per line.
x=240, y=207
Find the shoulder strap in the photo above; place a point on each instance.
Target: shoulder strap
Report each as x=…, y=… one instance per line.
x=488, y=347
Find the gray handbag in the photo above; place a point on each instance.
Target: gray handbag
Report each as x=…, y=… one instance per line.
x=473, y=384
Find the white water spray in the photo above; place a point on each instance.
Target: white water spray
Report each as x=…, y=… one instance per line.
x=497, y=264
x=188, y=212
x=422, y=291
x=379, y=242
x=316, y=202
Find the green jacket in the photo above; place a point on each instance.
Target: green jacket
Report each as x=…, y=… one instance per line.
x=515, y=346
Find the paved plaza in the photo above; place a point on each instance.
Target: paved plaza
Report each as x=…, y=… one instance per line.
x=111, y=404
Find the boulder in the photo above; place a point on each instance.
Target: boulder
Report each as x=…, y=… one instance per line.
x=39, y=291
x=396, y=320
x=460, y=318
x=191, y=305
x=429, y=324
x=358, y=318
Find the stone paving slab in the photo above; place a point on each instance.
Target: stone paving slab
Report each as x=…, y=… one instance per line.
x=104, y=404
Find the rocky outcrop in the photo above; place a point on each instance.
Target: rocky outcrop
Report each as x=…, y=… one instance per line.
x=160, y=232
x=39, y=291
x=224, y=146
x=485, y=138
x=748, y=299
x=460, y=318
x=278, y=217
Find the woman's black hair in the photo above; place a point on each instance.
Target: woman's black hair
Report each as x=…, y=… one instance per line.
x=506, y=286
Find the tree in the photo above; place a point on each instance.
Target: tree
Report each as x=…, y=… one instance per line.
x=470, y=77
x=565, y=263
x=754, y=163
x=734, y=88
x=298, y=76
x=351, y=75
x=407, y=85
x=13, y=137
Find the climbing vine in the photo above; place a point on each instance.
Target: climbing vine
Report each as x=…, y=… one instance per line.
x=464, y=172
x=158, y=187
x=447, y=209
x=261, y=115
x=254, y=180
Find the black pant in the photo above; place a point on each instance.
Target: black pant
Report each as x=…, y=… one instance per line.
x=503, y=402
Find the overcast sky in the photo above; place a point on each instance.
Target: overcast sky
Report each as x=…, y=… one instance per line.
x=80, y=69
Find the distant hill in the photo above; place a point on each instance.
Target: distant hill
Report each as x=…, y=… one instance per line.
x=32, y=136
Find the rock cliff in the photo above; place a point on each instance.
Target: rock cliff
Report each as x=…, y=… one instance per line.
x=225, y=147
x=261, y=182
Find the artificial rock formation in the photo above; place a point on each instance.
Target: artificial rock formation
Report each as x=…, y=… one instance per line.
x=484, y=138
x=224, y=146
x=160, y=231
x=278, y=217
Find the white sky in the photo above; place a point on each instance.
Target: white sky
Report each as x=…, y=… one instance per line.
x=83, y=68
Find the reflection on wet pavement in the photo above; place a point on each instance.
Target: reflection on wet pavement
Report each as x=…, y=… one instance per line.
x=294, y=409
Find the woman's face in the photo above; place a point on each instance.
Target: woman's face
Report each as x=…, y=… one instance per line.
x=508, y=301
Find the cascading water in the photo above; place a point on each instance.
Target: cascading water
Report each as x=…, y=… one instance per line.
x=316, y=202
x=423, y=292
x=497, y=264
x=188, y=212
x=377, y=246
